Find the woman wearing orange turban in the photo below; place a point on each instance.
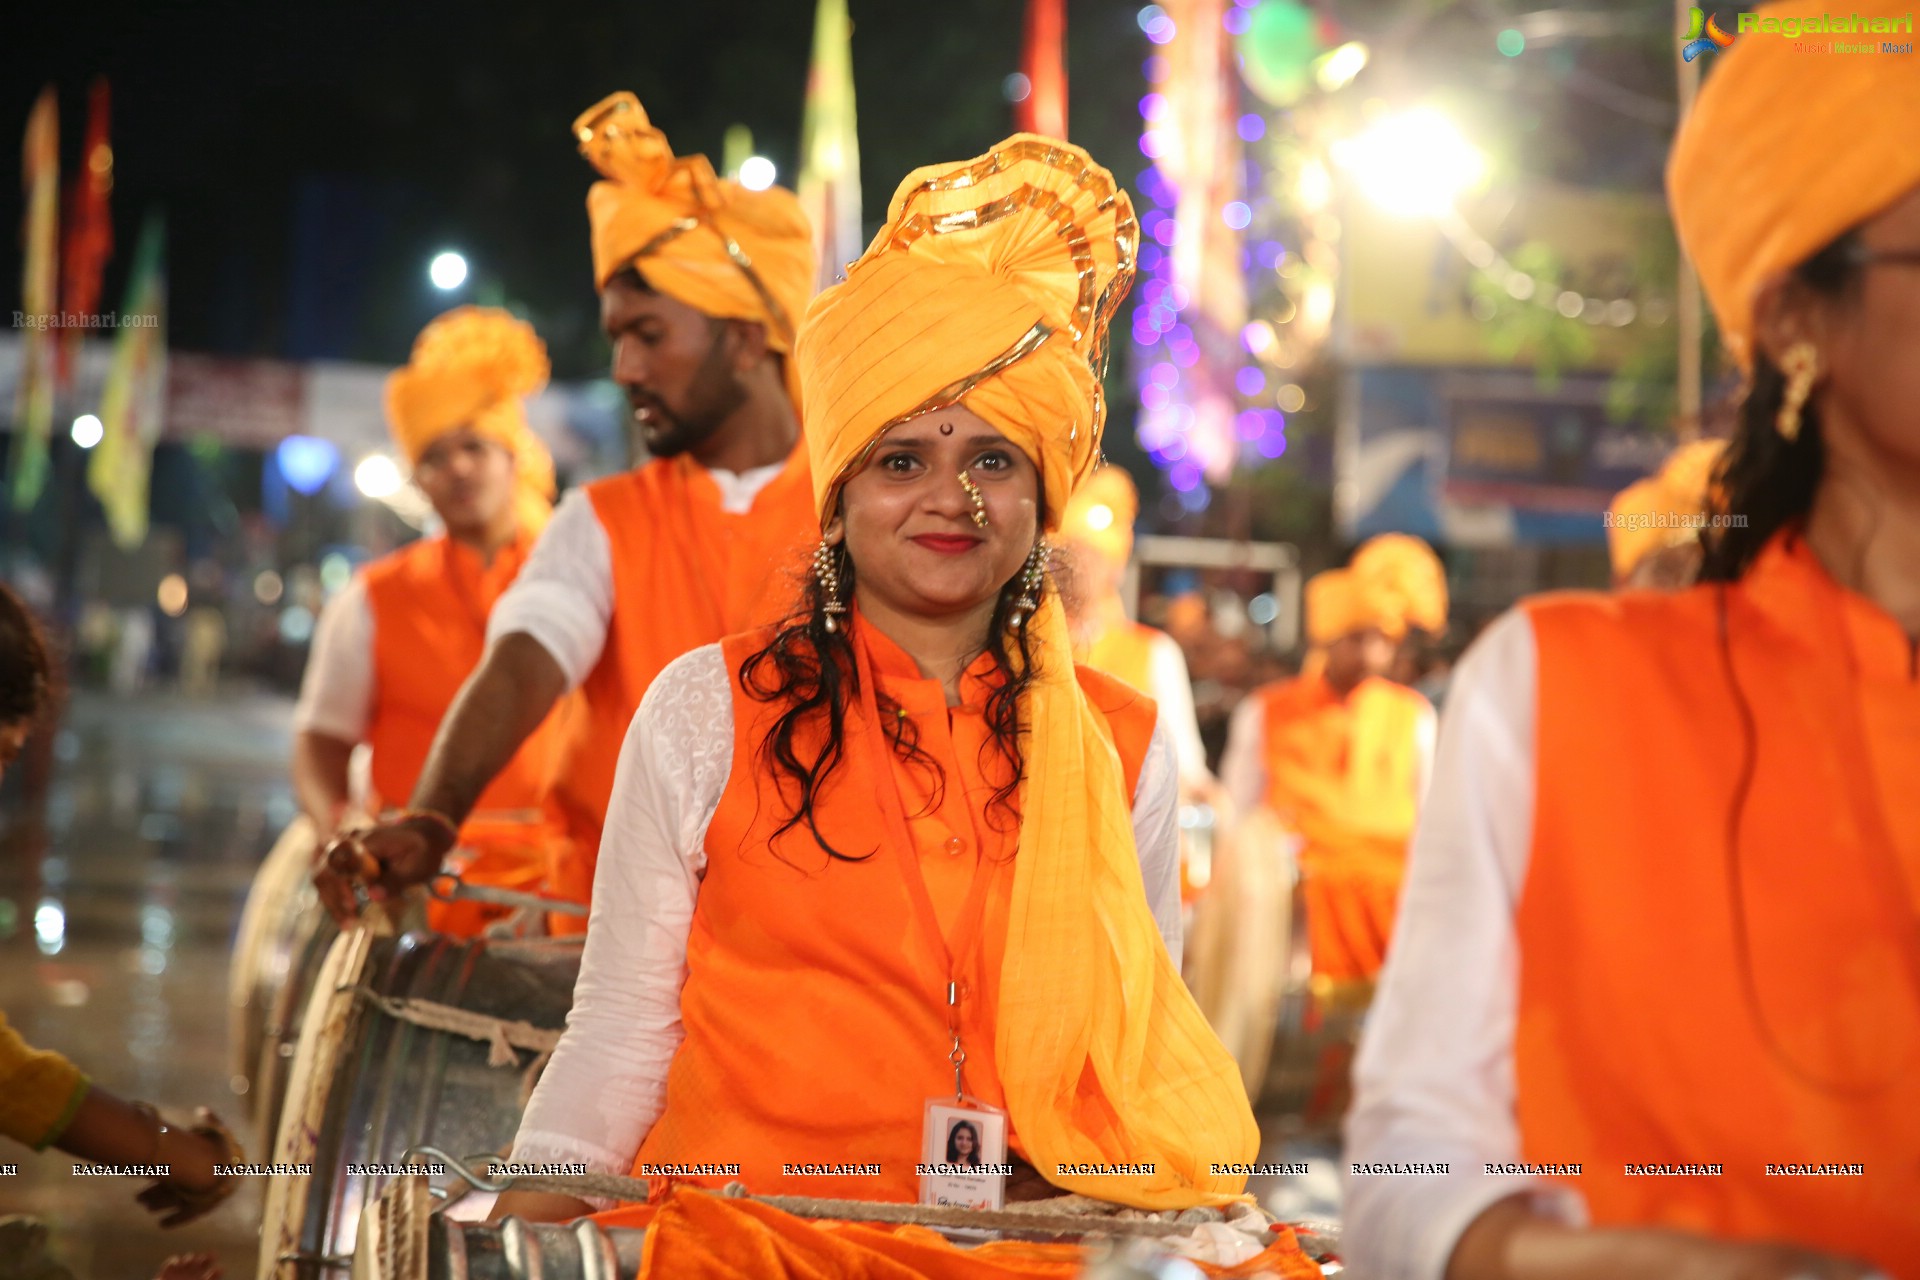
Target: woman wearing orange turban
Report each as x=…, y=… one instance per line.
x=1655, y=996
x=900, y=847
x=392, y=648
x=1654, y=525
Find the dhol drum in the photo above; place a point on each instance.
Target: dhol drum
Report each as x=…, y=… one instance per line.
x=403, y=1238
x=408, y=1041
x=1251, y=970
x=284, y=936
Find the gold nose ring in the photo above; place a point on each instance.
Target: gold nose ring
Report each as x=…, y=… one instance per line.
x=979, y=500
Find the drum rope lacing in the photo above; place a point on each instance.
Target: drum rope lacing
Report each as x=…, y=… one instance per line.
x=502, y=1036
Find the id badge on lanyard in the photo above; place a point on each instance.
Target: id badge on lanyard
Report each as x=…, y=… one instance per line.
x=963, y=1141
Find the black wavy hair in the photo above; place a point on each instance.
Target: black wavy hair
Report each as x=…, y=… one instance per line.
x=810, y=672
x=1764, y=476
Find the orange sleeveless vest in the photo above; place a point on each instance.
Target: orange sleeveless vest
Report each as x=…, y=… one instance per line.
x=1720, y=926
x=685, y=573
x=814, y=1007
x=430, y=602
x=1345, y=776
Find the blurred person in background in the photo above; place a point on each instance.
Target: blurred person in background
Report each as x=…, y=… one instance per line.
x=1662, y=920
x=701, y=284
x=45, y=1100
x=392, y=648
x=1654, y=528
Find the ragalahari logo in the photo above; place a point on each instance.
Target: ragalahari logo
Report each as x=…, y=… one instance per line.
x=1703, y=34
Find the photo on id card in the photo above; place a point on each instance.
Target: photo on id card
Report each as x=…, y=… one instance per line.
x=963, y=1158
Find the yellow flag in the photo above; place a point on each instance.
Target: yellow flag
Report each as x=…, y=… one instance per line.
x=133, y=401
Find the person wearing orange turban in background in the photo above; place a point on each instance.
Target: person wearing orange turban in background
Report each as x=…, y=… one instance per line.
x=1662, y=917
x=701, y=284
x=1340, y=754
x=1096, y=542
x=392, y=648
x=1654, y=525
x=906, y=802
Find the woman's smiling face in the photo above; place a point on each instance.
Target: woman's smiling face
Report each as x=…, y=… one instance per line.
x=908, y=520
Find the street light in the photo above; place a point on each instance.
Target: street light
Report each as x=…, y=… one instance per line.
x=757, y=173
x=448, y=271
x=87, y=431
x=1414, y=163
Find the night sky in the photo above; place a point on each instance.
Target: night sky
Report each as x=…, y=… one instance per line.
x=312, y=158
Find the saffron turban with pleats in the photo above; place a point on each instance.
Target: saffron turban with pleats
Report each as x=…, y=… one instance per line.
x=473, y=368
x=703, y=240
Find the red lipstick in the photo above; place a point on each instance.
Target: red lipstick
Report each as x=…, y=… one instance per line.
x=951, y=544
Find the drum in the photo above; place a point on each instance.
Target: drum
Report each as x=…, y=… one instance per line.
x=284, y=936
x=408, y=1041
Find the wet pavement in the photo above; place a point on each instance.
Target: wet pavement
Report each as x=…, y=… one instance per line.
x=117, y=913
x=118, y=909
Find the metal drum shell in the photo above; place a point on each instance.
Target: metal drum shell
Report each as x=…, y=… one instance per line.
x=266, y=948
x=366, y=1087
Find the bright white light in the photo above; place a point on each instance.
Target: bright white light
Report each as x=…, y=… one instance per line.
x=87, y=431
x=757, y=173
x=377, y=476
x=1341, y=65
x=1413, y=164
x=447, y=270
x=49, y=927
x=1100, y=516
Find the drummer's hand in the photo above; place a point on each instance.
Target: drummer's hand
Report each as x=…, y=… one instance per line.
x=388, y=859
x=191, y=1188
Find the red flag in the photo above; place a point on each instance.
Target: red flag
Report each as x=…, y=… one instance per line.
x=1043, y=61
x=89, y=235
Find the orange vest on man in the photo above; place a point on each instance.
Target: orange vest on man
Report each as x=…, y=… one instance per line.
x=867, y=1024
x=1344, y=774
x=1753, y=950
x=685, y=573
x=430, y=602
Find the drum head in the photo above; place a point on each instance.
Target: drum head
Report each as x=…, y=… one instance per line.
x=259, y=951
x=330, y=1026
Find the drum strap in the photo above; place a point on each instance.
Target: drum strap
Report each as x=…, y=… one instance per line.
x=502, y=1036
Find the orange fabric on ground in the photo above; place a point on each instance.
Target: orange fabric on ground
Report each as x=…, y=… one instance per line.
x=1343, y=774
x=1643, y=1034
x=685, y=573
x=430, y=602
x=866, y=1048
x=701, y=1236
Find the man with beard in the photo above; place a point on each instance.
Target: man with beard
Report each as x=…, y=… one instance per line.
x=701, y=285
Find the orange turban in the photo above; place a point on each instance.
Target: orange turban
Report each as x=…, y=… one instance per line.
x=1784, y=151
x=472, y=368
x=991, y=286
x=700, y=239
x=1340, y=603
x=1663, y=509
x=1406, y=582
x=1101, y=513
